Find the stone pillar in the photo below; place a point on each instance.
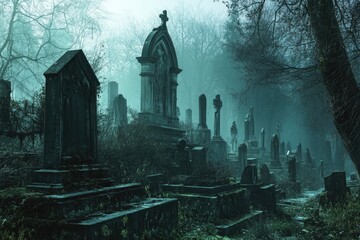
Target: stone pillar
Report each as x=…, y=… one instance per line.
x=188, y=117
x=299, y=152
x=120, y=111
x=275, y=157
x=112, y=94
x=292, y=169
x=147, y=82
x=242, y=155
x=251, y=122
x=5, y=91
x=247, y=129
x=202, y=112
x=218, y=147
x=262, y=138
x=202, y=135
x=217, y=105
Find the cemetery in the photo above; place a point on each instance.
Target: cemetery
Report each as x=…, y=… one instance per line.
x=227, y=169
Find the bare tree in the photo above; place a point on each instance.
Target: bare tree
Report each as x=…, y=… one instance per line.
x=34, y=34
x=313, y=35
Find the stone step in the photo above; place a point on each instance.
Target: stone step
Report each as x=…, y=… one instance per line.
x=59, y=188
x=146, y=217
x=76, y=204
x=67, y=176
x=234, y=226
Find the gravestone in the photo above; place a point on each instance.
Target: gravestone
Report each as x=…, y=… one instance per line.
x=120, y=111
x=299, y=152
x=188, y=118
x=202, y=135
x=198, y=160
x=112, y=93
x=308, y=158
x=242, y=155
x=182, y=157
x=265, y=176
x=275, y=155
x=5, y=91
x=159, y=71
x=234, y=132
x=249, y=175
x=263, y=139
x=70, y=134
x=218, y=147
x=292, y=169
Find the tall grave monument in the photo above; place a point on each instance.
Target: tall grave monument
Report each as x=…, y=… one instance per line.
x=218, y=147
x=202, y=135
x=159, y=70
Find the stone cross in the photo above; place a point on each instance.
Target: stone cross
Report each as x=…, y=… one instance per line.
x=217, y=105
x=164, y=18
x=202, y=112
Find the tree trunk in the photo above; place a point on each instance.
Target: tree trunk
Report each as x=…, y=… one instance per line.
x=337, y=75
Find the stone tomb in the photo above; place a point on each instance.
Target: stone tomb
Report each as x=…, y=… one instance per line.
x=159, y=70
x=79, y=199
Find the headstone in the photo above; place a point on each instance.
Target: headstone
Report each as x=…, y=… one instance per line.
x=202, y=135
x=202, y=112
x=120, y=111
x=249, y=175
x=275, y=155
x=251, y=161
x=188, y=117
x=299, y=152
x=265, y=176
x=218, y=147
x=234, y=132
x=251, y=122
x=182, y=157
x=308, y=158
x=159, y=71
x=282, y=148
x=247, y=129
x=217, y=105
x=242, y=155
x=335, y=185
x=70, y=112
x=292, y=169
x=198, y=159
x=5, y=91
x=263, y=138
x=112, y=93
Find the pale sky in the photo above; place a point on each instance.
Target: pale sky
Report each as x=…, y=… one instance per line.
x=119, y=10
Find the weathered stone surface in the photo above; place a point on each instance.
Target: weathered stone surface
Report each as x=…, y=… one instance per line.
x=70, y=111
x=249, y=175
x=159, y=70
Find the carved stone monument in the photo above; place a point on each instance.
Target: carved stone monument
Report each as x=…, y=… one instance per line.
x=202, y=135
x=218, y=147
x=159, y=70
